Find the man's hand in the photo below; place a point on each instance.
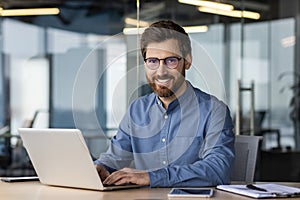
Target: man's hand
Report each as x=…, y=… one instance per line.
x=103, y=173
x=128, y=175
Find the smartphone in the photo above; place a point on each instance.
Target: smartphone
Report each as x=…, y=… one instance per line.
x=19, y=179
x=191, y=192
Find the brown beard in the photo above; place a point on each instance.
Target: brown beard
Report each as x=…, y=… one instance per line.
x=162, y=91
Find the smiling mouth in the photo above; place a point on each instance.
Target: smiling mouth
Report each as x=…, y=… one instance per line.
x=163, y=82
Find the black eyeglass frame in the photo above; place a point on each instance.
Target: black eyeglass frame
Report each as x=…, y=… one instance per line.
x=165, y=63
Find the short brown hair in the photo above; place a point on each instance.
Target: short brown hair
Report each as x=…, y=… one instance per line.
x=164, y=30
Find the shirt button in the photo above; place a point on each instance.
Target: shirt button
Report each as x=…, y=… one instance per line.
x=163, y=140
x=166, y=116
x=164, y=162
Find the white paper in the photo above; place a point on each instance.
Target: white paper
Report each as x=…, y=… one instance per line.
x=273, y=190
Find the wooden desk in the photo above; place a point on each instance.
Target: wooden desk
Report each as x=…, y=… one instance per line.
x=37, y=191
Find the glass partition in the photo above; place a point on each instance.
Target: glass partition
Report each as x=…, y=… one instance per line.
x=2, y=95
x=27, y=72
x=268, y=53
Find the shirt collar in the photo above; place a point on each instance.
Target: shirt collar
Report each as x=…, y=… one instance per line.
x=187, y=93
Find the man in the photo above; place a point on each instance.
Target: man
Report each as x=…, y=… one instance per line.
x=177, y=135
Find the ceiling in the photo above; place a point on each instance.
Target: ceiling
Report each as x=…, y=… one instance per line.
x=107, y=16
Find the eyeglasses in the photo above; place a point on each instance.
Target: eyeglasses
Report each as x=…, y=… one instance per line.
x=170, y=62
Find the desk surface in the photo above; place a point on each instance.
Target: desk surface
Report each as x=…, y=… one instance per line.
x=37, y=191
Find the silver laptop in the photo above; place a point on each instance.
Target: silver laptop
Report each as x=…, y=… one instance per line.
x=60, y=157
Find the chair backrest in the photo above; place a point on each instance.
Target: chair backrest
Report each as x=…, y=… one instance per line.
x=246, y=148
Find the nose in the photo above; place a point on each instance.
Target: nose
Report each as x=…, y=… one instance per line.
x=162, y=68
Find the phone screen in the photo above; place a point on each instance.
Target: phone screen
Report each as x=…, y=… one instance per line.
x=191, y=192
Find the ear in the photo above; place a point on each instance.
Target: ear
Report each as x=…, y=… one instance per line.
x=188, y=61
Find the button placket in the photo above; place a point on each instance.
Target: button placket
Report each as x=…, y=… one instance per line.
x=164, y=134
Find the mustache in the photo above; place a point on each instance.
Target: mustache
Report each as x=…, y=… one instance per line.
x=167, y=76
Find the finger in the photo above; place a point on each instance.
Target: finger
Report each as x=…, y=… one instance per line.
x=124, y=180
x=114, y=177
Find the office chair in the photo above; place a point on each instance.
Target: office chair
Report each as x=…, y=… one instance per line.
x=246, y=148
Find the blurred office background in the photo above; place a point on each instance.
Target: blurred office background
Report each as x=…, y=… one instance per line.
x=80, y=67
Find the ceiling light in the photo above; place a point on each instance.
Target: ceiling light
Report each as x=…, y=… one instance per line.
x=209, y=4
x=29, y=11
x=134, y=22
x=133, y=31
x=195, y=29
x=233, y=13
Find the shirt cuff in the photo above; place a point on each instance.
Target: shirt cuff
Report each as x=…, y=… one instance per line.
x=159, y=178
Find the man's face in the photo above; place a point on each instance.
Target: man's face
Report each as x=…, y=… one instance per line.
x=163, y=80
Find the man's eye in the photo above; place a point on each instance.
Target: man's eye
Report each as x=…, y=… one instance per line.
x=152, y=60
x=171, y=60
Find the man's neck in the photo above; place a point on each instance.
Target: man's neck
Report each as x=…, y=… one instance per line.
x=167, y=100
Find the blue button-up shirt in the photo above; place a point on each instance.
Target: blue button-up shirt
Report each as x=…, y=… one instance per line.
x=191, y=143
